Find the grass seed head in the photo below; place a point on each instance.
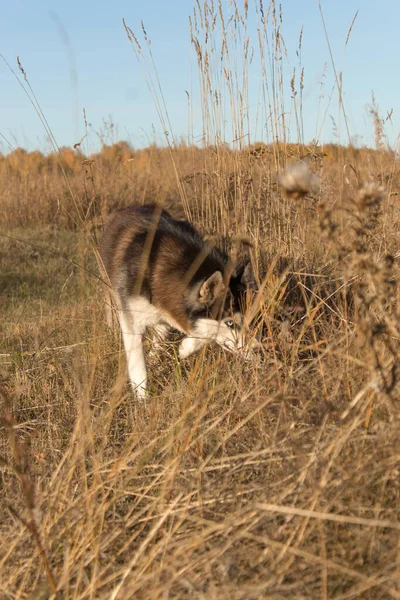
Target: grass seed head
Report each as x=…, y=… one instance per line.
x=371, y=194
x=298, y=180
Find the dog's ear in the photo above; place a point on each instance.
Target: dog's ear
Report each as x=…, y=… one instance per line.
x=244, y=278
x=248, y=279
x=211, y=288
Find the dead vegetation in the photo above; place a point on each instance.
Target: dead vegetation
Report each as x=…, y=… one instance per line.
x=272, y=478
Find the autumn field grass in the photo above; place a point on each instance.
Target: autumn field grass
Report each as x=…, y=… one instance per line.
x=272, y=478
x=276, y=477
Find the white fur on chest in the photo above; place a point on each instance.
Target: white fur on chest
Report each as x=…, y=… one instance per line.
x=143, y=314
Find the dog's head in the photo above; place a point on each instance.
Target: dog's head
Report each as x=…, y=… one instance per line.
x=222, y=304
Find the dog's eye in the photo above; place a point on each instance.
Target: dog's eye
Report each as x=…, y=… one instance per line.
x=230, y=323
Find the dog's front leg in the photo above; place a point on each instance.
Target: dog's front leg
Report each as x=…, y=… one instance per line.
x=190, y=345
x=205, y=330
x=132, y=337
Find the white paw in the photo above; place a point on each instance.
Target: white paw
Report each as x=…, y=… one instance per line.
x=187, y=347
x=140, y=391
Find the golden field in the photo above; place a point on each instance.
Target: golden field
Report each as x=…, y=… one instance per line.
x=273, y=478
x=276, y=477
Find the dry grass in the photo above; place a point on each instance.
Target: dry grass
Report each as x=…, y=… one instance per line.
x=274, y=478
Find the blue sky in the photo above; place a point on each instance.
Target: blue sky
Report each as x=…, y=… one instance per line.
x=76, y=54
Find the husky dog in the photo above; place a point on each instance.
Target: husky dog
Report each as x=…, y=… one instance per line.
x=163, y=274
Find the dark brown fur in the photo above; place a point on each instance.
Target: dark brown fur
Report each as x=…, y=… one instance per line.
x=148, y=253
